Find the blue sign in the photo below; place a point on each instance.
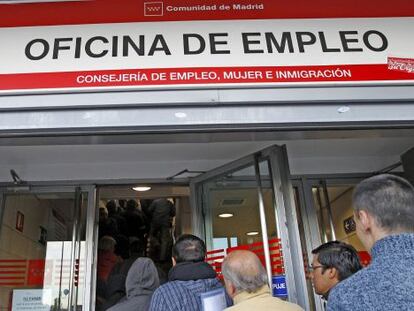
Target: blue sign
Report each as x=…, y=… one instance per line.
x=279, y=288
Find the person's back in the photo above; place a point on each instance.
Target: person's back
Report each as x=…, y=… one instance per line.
x=187, y=280
x=384, y=216
x=141, y=282
x=136, y=225
x=161, y=211
x=261, y=300
x=386, y=284
x=182, y=295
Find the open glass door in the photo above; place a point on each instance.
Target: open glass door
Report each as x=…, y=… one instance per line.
x=249, y=204
x=43, y=249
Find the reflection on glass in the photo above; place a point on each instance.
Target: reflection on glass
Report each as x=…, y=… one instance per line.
x=321, y=202
x=306, y=261
x=236, y=193
x=36, y=253
x=340, y=198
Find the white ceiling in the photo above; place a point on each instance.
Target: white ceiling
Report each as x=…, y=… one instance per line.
x=159, y=160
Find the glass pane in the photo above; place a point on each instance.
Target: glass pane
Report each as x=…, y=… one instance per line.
x=271, y=220
x=340, y=198
x=232, y=210
x=322, y=210
x=340, y=204
x=306, y=261
x=36, y=252
x=232, y=200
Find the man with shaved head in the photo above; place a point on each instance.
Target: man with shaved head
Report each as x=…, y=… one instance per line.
x=246, y=282
x=384, y=217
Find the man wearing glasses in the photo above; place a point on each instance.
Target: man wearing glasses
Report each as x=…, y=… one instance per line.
x=332, y=263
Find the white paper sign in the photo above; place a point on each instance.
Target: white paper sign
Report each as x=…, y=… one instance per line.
x=32, y=299
x=214, y=300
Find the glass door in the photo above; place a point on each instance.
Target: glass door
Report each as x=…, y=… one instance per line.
x=248, y=204
x=326, y=214
x=43, y=249
x=332, y=201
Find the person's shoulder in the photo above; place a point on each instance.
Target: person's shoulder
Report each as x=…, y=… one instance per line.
x=344, y=294
x=287, y=306
x=167, y=286
x=352, y=282
x=292, y=307
x=268, y=302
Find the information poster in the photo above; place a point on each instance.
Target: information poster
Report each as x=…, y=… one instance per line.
x=31, y=299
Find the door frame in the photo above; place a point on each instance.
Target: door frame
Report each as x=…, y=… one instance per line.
x=285, y=213
x=311, y=222
x=90, y=229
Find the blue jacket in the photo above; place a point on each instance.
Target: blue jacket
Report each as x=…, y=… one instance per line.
x=386, y=284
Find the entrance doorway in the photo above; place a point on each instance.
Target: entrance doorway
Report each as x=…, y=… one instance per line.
x=45, y=248
x=256, y=194
x=249, y=204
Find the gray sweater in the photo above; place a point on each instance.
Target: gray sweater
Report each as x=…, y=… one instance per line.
x=386, y=284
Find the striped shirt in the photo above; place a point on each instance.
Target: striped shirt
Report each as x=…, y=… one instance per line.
x=182, y=295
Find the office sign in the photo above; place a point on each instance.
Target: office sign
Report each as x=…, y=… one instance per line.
x=208, y=53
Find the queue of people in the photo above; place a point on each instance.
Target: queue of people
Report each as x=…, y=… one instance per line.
x=384, y=216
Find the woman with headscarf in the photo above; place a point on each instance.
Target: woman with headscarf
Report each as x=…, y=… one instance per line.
x=141, y=282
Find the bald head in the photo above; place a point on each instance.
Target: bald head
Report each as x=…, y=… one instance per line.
x=244, y=271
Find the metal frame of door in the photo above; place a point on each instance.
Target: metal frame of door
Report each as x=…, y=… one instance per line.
x=313, y=236
x=90, y=266
x=284, y=210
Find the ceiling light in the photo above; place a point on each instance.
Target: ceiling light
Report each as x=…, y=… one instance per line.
x=180, y=115
x=343, y=109
x=252, y=233
x=141, y=188
x=225, y=215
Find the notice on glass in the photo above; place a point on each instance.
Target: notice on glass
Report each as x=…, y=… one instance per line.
x=214, y=300
x=31, y=299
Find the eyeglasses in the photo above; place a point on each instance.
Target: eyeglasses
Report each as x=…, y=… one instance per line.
x=313, y=268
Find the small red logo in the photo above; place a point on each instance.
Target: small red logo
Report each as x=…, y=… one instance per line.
x=401, y=64
x=153, y=9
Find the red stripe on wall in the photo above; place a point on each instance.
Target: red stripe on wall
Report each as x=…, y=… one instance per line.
x=122, y=11
x=12, y=266
x=202, y=76
x=13, y=272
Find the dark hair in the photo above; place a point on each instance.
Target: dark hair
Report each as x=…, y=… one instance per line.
x=131, y=205
x=188, y=247
x=137, y=246
x=111, y=207
x=338, y=255
x=122, y=246
x=389, y=199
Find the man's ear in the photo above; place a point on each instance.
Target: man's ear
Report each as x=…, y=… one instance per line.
x=332, y=273
x=174, y=262
x=365, y=220
x=230, y=288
